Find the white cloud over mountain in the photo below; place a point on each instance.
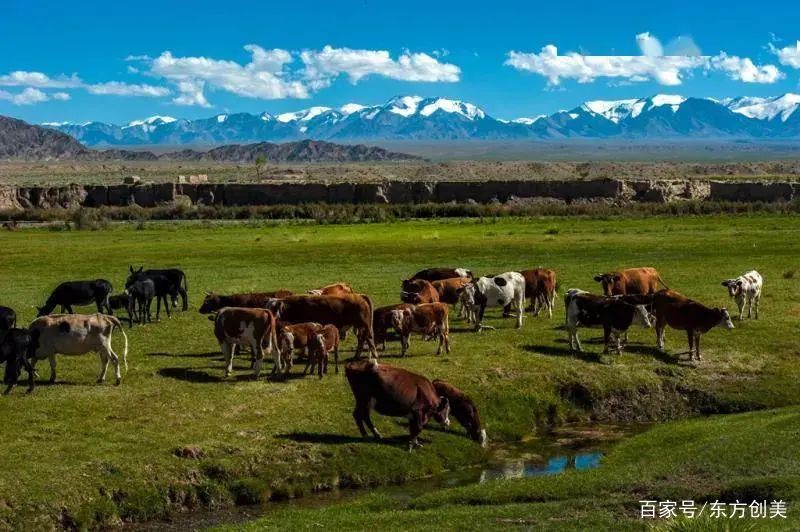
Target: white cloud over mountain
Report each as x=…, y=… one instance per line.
x=788, y=55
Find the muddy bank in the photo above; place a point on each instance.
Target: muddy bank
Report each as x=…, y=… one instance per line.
x=398, y=192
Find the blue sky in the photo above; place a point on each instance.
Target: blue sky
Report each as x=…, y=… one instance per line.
x=113, y=62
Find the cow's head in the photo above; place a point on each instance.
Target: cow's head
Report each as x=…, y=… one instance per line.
x=276, y=306
x=401, y=318
x=734, y=286
x=611, y=282
x=463, y=409
x=211, y=303
x=134, y=276
x=413, y=298
x=442, y=412
x=724, y=318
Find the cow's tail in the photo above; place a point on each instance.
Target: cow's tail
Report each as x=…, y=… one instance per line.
x=116, y=324
x=185, y=282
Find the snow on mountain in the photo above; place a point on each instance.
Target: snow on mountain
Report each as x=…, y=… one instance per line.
x=612, y=110
x=156, y=119
x=467, y=110
x=303, y=115
x=526, y=121
x=350, y=108
x=765, y=108
x=404, y=105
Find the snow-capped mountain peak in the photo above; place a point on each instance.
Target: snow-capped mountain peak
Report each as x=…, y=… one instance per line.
x=614, y=110
x=527, y=121
x=151, y=120
x=404, y=105
x=765, y=108
x=303, y=115
x=350, y=108
x=467, y=110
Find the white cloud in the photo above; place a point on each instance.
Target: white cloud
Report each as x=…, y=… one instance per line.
x=743, y=69
x=117, y=88
x=21, y=78
x=788, y=55
x=324, y=66
x=653, y=64
x=191, y=93
x=29, y=96
x=61, y=96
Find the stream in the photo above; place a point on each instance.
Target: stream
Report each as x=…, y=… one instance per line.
x=568, y=447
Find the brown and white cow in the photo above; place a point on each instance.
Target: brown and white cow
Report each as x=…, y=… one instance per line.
x=419, y=291
x=463, y=409
x=213, y=302
x=319, y=347
x=438, y=274
x=630, y=281
x=344, y=312
x=540, y=287
x=382, y=322
x=395, y=392
x=295, y=336
x=335, y=289
x=449, y=290
x=77, y=334
x=252, y=327
x=681, y=313
x=430, y=319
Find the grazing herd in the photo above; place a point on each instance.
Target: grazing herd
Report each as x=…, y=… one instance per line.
x=283, y=324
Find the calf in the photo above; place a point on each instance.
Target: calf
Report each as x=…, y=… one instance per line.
x=683, y=314
x=123, y=302
x=396, y=392
x=15, y=349
x=77, y=293
x=438, y=274
x=614, y=314
x=418, y=291
x=336, y=289
x=463, y=409
x=295, y=336
x=213, y=302
x=141, y=294
x=746, y=291
x=319, y=346
x=344, y=312
x=630, y=281
x=249, y=327
x=77, y=334
x=430, y=319
x=163, y=286
x=499, y=290
x=8, y=318
x=382, y=322
x=540, y=287
x=176, y=277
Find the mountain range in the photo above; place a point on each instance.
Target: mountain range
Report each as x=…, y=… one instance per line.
x=660, y=116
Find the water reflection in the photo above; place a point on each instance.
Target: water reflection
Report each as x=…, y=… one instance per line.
x=552, y=466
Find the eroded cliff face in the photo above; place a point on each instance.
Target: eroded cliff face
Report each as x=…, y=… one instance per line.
x=397, y=192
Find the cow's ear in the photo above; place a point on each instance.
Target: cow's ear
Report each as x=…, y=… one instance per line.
x=500, y=281
x=141, y=269
x=598, y=278
x=725, y=283
x=130, y=268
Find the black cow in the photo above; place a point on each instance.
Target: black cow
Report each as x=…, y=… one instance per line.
x=8, y=318
x=614, y=314
x=79, y=293
x=16, y=348
x=123, y=302
x=142, y=293
x=176, y=277
x=163, y=286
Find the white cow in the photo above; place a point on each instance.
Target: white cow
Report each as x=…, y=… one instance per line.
x=745, y=290
x=499, y=291
x=78, y=334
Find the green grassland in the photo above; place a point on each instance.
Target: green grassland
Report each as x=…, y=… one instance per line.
x=81, y=454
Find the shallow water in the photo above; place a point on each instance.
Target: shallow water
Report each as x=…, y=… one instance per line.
x=573, y=447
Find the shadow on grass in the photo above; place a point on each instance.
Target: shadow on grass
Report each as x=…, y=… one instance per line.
x=185, y=355
x=547, y=350
x=341, y=439
x=197, y=376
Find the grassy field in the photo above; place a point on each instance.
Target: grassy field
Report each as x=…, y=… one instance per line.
x=80, y=454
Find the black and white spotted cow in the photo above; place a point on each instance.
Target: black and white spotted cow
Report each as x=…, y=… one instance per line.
x=746, y=291
x=499, y=291
x=614, y=314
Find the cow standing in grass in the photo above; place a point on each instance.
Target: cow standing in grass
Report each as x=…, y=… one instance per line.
x=631, y=281
x=320, y=346
x=614, y=314
x=295, y=336
x=429, y=319
x=251, y=327
x=500, y=290
x=16, y=347
x=76, y=293
x=681, y=313
x=540, y=287
x=164, y=286
x=176, y=277
x=746, y=292
x=213, y=302
x=77, y=334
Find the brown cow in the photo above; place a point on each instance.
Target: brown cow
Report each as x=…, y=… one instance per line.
x=463, y=409
x=213, y=302
x=353, y=310
x=430, y=319
x=335, y=289
x=683, y=314
x=540, y=287
x=439, y=274
x=253, y=327
x=295, y=336
x=419, y=291
x=630, y=281
x=449, y=290
x=395, y=392
x=382, y=322
x=319, y=346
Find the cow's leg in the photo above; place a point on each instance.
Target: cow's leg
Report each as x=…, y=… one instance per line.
x=690, y=337
x=227, y=353
x=697, y=344
x=660, y=329
x=69, y=309
x=114, y=360
x=757, y=299
x=361, y=415
x=184, y=298
x=309, y=357
x=258, y=353
x=415, y=423
x=166, y=306
x=606, y=339
x=52, y=359
x=103, y=365
x=446, y=338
